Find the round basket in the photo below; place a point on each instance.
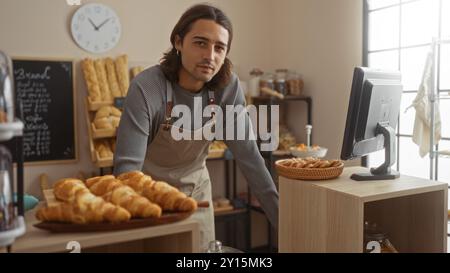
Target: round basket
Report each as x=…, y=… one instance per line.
x=308, y=173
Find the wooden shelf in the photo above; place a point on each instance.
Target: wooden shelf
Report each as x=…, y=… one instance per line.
x=229, y=212
x=214, y=154
x=102, y=133
x=329, y=215
x=94, y=106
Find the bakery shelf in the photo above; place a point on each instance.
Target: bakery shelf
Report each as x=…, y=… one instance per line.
x=103, y=162
x=229, y=212
x=216, y=153
x=266, y=99
x=102, y=133
x=94, y=106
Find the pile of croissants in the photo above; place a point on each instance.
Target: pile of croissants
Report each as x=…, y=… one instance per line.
x=110, y=199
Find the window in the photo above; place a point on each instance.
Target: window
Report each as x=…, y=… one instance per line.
x=398, y=35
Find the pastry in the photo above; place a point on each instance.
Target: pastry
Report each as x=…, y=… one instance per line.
x=122, y=74
x=310, y=163
x=107, y=117
x=136, y=70
x=112, y=78
x=80, y=206
x=102, y=80
x=90, y=76
x=159, y=192
x=112, y=190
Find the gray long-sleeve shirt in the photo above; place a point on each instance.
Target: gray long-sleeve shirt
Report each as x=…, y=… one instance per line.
x=144, y=112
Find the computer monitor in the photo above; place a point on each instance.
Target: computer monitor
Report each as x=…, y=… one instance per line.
x=372, y=116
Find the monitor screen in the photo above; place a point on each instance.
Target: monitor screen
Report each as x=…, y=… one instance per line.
x=374, y=99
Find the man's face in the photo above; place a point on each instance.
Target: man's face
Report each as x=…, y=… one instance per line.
x=203, y=49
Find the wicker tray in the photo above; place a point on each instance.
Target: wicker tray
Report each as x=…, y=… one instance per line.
x=308, y=173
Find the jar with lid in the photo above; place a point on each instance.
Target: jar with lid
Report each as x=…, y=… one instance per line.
x=266, y=81
x=253, y=84
x=280, y=81
x=294, y=83
x=376, y=241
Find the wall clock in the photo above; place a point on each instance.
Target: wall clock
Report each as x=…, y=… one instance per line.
x=95, y=28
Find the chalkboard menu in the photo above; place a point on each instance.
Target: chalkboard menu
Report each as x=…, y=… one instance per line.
x=45, y=90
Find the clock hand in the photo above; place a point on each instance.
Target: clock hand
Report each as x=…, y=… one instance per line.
x=92, y=23
x=104, y=22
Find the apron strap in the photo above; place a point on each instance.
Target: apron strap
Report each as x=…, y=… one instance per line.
x=169, y=104
x=211, y=100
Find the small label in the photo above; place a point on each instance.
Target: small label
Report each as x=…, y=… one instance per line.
x=118, y=102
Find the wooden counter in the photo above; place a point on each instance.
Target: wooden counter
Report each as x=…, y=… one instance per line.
x=181, y=236
x=329, y=215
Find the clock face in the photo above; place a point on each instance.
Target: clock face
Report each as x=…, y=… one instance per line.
x=95, y=28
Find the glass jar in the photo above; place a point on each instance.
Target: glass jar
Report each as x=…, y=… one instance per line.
x=217, y=247
x=267, y=80
x=253, y=85
x=294, y=84
x=280, y=81
x=376, y=241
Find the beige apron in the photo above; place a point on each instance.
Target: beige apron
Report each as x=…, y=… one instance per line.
x=182, y=163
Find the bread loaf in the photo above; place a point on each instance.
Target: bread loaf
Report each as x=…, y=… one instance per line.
x=122, y=74
x=90, y=76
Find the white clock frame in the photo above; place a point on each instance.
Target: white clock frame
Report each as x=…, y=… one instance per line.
x=96, y=28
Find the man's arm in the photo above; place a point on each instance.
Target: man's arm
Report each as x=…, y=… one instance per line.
x=252, y=165
x=133, y=132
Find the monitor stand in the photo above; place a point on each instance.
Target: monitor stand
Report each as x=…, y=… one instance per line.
x=383, y=172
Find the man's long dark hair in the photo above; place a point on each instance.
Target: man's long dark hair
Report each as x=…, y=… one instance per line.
x=171, y=62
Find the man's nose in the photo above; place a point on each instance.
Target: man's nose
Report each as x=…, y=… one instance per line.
x=209, y=53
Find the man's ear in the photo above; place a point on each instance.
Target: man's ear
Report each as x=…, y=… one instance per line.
x=178, y=42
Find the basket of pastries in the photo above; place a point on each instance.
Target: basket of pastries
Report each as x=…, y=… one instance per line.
x=309, y=168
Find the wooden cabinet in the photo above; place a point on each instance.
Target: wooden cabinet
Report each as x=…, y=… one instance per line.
x=329, y=215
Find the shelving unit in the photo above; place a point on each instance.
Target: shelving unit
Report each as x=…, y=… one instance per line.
x=238, y=214
x=271, y=156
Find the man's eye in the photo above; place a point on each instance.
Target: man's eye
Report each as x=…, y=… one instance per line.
x=220, y=49
x=200, y=43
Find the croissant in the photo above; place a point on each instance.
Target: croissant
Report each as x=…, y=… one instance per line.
x=67, y=188
x=112, y=190
x=80, y=206
x=159, y=192
x=95, y=212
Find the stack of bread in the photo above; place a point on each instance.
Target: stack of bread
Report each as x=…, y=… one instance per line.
x=135, y=71
x=106, y=78
x=107, y=117
x=105, y=148
x=110, y=199
x=217, y=145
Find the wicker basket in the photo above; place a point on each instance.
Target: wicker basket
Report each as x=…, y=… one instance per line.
x=308, y=173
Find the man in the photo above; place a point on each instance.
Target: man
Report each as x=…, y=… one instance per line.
x=196, y=68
